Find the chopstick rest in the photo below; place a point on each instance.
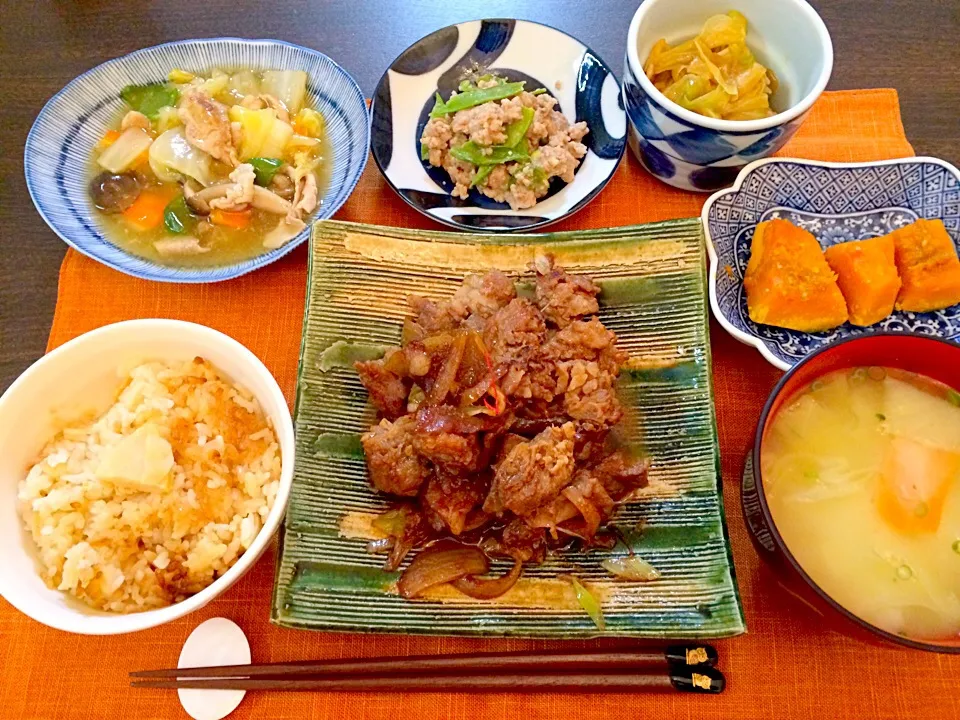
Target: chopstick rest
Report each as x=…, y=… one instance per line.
x=213, y=642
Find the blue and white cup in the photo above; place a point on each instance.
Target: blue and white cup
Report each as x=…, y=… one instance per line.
x=695, y=152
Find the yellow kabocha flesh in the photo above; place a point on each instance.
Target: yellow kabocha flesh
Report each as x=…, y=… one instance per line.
x=867, y=276
x=788, y=282
x=927, y=260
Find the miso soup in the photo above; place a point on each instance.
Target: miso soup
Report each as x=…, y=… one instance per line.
x=861, y=471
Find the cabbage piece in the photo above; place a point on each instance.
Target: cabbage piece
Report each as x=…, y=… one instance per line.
x=264, y=134
x=257, y=125
x=172, y=157
x=288, y=86
x=721, y=30
x=180, y=77
x=753, y=82
x=740, y=18
x=302, y=142
x=714, y=74
x=125, y=151
x=304, y=163
x=631, y=567
x=718, y=75
x=748, y=108
x=672, y=58
x=650, y=67
x=309, y=122
x=244, y=82
x=774, y=80
x=167, y=119
x=687, y=88
x=216, y=84
x=712, y=104
x=736, y=57
x=277, y=138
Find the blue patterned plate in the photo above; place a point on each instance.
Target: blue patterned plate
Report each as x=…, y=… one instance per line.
x=60, y=144
x=836, y=202
x=519, y=50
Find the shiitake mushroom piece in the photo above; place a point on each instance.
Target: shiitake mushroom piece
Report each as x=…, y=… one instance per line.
x=114, y=193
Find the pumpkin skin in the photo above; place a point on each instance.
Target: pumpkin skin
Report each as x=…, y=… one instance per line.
x=927, y=260
x=867, y=276
x=789, y=283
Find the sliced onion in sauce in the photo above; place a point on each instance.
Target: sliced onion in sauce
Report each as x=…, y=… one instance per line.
x=441, y=563
x=396, y=362
x=412, y=332
x=489, y=588
x=474, y=393
x=448, y=372
x=591, y=515
x=631, y=567
x=375, y=547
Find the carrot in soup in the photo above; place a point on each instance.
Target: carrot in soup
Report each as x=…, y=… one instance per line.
x=914, y=483
x=108, y=139
x=146, y=212
x=237, y=220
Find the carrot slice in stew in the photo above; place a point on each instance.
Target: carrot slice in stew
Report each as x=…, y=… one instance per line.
x=146, y=212
x=237, y=220
x=108, y=139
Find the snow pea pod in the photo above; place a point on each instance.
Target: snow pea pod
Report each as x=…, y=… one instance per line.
x=472, y=153
x=518, y=129
x=472, y=98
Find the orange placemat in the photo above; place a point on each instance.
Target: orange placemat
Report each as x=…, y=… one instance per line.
x=788, y=665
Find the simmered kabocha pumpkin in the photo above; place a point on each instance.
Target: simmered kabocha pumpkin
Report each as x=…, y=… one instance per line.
x=867, y=276
x=789, y=283
x=927, y=260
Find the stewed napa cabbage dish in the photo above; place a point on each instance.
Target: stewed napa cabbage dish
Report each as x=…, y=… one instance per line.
x=204, y=170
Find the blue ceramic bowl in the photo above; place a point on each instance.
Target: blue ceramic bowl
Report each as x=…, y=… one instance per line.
x=694, y=152
x=836, y=202
x=583, y=84
x=60, y=144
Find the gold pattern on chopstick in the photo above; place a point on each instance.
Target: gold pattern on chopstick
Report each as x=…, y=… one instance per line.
x=696, y=656
x=701, y=681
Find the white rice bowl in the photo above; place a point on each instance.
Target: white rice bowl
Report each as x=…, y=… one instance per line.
x=124, y=549
x=65, y=413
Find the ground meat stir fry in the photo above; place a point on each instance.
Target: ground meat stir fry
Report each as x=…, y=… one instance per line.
x=508, y=148
x=496, y=414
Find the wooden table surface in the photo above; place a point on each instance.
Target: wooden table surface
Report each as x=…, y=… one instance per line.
x=911, y=46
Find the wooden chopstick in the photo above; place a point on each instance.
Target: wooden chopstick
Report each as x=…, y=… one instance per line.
x=705, y=680
x=472, y=664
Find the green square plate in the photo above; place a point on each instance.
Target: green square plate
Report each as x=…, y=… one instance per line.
x=653, y=296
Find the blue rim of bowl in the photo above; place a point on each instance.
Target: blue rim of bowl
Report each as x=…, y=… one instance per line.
x=768, y=516
x=198, y=275
x=532, y=226
x=714, y=264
